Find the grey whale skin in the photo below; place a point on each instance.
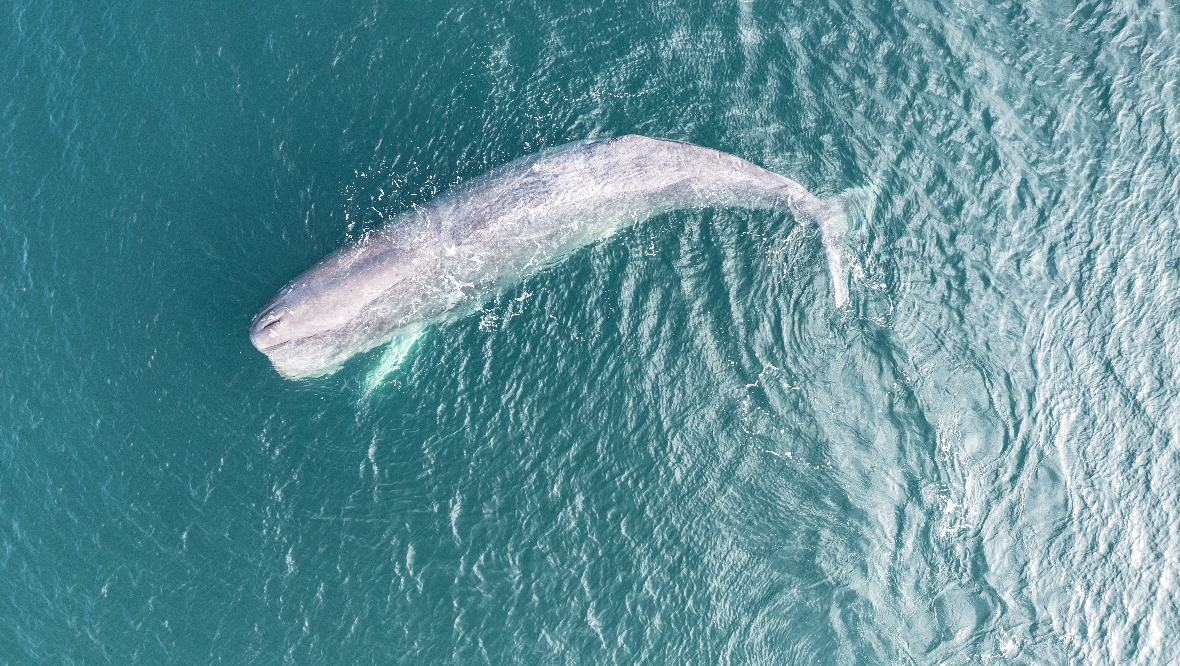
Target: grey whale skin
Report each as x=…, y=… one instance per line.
x=440, y=261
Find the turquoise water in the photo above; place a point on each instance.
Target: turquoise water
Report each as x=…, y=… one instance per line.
x=670, y=448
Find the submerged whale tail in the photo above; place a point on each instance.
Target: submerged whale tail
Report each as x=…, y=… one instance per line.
x=833, y=223
x=832, y=220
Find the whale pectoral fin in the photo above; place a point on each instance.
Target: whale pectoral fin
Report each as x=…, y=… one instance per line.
x=392, y=357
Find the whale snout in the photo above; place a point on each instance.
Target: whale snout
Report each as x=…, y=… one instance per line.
x=266, y=330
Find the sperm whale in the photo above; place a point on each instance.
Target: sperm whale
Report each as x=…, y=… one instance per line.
x=441, y=260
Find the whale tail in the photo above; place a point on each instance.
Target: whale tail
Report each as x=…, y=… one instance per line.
x=832, y=221
x=831, y=217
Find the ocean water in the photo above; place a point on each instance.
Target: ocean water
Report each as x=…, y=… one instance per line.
x=669, y=448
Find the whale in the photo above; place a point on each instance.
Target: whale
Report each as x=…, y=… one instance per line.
x=440, y=261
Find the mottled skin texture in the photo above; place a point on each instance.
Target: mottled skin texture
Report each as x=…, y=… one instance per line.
x=431, y=263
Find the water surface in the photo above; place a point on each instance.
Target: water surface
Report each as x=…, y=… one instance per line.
x=670, y=448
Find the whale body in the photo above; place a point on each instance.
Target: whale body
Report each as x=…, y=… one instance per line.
x=440, y=261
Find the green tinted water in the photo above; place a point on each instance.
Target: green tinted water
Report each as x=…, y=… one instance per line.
x=670, y=448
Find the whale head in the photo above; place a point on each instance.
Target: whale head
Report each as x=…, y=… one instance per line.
x=331, y=312
x=290, y=316
x=310, y=327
